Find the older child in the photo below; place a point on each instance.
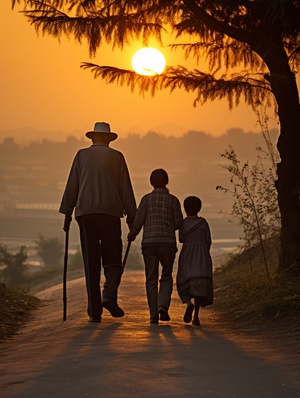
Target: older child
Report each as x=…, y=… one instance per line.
x=159, y=213
x=194, y=276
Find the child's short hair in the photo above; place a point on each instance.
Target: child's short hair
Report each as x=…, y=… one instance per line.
x=159, y=178
x=192, y=205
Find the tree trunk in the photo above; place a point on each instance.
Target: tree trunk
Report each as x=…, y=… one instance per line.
x=288, y=171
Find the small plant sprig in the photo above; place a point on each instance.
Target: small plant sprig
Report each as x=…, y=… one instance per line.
x=255, y=203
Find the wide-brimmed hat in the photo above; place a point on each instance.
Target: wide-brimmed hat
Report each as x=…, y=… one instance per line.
x=102, y=127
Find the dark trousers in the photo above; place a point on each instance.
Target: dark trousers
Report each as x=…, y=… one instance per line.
x=159, y=295
x=100, y=236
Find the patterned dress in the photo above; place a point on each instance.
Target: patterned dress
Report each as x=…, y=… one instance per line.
x=194, y=275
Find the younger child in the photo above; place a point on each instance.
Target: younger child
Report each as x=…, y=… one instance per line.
x=194, y=276
x=160, y=215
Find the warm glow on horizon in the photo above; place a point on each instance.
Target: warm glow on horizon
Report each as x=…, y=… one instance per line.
x=45, y=93
x=148, y=61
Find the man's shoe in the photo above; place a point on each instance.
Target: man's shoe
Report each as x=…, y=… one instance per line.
x=154, y=320
x=188, y=313
x=112, y=307
x=95, y=319
x=163, y=314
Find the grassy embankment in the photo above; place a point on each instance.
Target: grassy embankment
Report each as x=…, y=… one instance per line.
x=250, y=293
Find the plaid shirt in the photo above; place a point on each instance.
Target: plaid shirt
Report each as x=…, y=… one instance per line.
x=160, y=214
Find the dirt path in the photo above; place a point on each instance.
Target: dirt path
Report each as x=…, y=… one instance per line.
x=129, y=358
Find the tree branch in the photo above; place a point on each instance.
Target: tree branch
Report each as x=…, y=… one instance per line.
x=206, y=86
x=216, y=25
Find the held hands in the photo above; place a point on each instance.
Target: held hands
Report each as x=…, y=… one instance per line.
x=130, y=222
x=67, y=223
x=130, y=238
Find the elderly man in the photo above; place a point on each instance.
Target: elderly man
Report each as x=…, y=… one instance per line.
x=100, y=190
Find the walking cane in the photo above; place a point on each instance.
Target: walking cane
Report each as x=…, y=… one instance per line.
x=126, y=254
x=65, y=275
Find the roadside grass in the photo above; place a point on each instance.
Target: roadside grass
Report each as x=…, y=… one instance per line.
x=245, y=294
x=16, y=305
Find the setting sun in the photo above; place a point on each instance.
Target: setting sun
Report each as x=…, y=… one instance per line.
x=148, y=61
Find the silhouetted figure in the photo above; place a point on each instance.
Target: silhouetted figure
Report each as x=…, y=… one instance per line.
x=100, y=190
x=194, y=276
x=160, y=215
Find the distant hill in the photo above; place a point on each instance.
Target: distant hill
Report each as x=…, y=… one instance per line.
x=33, y=176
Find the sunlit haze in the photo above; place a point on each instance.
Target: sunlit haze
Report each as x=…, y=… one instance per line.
x=44, y=89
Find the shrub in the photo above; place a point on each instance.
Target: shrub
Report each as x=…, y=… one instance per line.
x=50, y=250
x=14, y=265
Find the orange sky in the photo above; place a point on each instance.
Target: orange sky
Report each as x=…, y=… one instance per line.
x=43, y=87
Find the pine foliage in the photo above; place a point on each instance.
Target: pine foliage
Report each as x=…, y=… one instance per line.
x=228, y=34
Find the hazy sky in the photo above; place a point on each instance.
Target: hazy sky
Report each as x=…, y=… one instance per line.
x=43, y=87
